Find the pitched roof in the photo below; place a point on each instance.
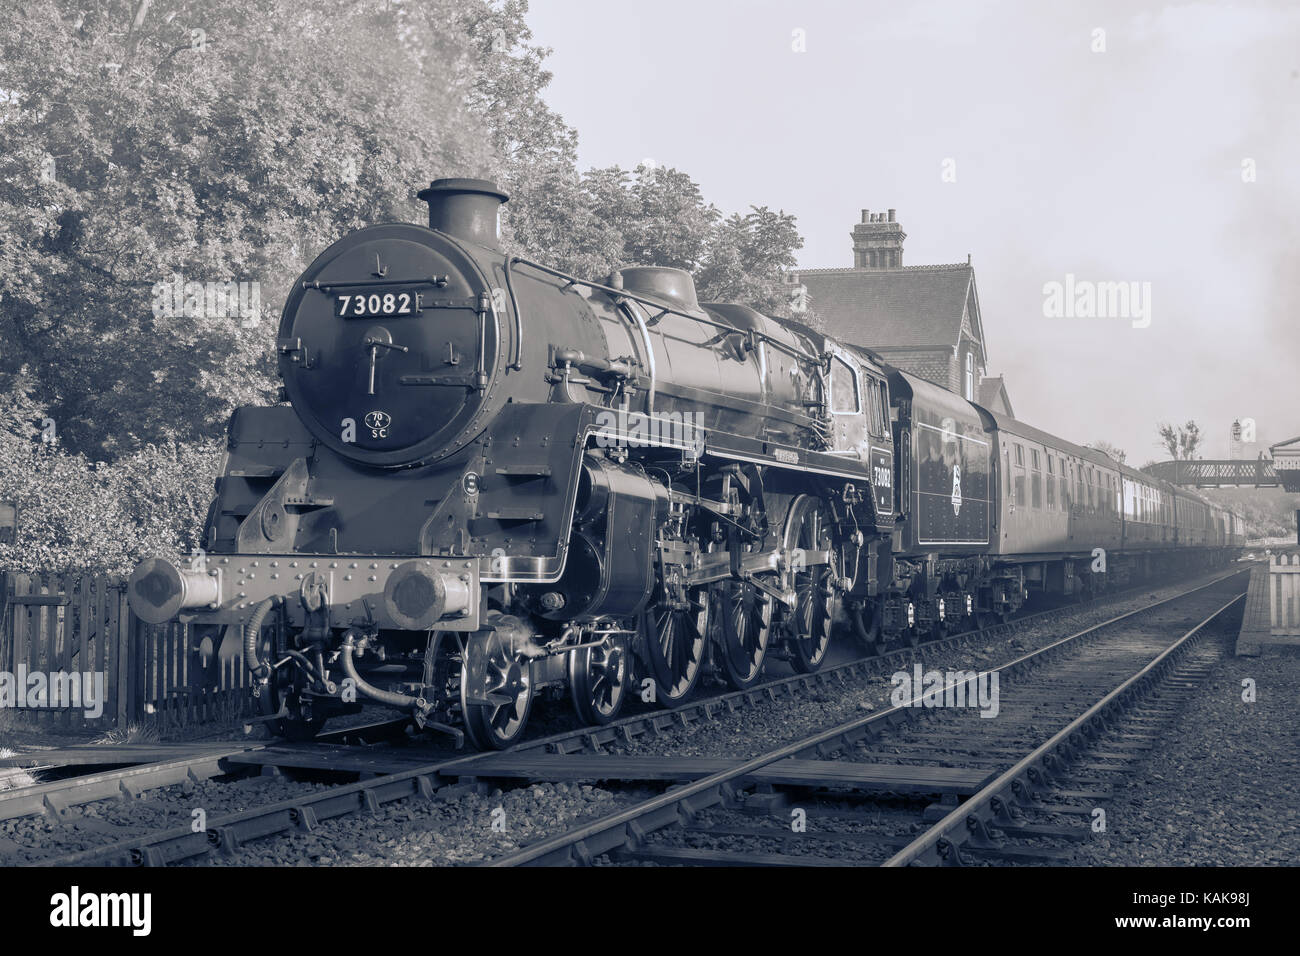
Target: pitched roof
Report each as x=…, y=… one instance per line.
x=991, y=387
x=911, y=307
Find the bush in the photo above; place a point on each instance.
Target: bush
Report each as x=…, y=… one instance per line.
x=76, y=515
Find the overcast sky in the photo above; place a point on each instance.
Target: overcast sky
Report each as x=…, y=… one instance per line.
x=1122, y=165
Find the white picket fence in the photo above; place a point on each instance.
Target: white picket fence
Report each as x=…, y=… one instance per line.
x=1284, y=593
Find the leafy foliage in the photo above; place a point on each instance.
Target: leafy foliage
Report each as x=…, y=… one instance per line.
x=1181, y=442
x=216, y=141
x=747, y=258
x=1266, y=512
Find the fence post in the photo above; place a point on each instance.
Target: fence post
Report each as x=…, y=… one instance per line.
x=121, y=652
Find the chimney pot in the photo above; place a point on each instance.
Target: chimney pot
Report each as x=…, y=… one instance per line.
x=865, y=214
x=891, y=215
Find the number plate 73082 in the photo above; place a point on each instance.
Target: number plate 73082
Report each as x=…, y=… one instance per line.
x=366, y=305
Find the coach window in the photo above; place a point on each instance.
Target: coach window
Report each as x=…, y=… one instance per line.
x=1021, y=498
x=1051, y=485
x=844, y=388
x=1038, y=477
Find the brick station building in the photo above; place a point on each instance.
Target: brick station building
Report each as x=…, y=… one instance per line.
x=922, y=319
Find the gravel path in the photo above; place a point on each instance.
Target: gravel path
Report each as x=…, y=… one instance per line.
x=28, y=839
x=437, y=833
x=1223, y=789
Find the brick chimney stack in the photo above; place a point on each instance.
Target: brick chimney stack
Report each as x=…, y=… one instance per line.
x=878, y=241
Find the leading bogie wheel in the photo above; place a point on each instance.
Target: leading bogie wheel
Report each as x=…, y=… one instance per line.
x=496, y=689
x=598, y=681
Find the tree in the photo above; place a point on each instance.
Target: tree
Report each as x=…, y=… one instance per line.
x=746, y=260
x=658, y=212
x=204, y=142
x=1106, y=448
x=151, y=154
x=549, y=215
x=1181, y=442
x=657, y=216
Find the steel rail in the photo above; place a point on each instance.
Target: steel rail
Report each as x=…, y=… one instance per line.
x=225, y=832
x=54, y=797
x=989, y=807
x=623, y=827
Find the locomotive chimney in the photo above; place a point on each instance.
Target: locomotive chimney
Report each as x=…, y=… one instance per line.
x=465, y=208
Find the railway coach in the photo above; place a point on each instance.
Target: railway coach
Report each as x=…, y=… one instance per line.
x=992, y=510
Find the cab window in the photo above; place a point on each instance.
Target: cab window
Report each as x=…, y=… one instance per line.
x=844, y=388
x=877, y=407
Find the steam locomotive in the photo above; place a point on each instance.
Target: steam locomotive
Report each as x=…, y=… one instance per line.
x=494, y=481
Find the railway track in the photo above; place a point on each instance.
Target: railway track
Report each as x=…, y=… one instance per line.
x=396, y=773
x=1019, y=789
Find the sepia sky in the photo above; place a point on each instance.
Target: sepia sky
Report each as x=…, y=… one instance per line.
x=1122, y=165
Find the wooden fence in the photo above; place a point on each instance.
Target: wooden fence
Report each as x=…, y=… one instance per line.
x=165, y=676
x=1284, y=593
